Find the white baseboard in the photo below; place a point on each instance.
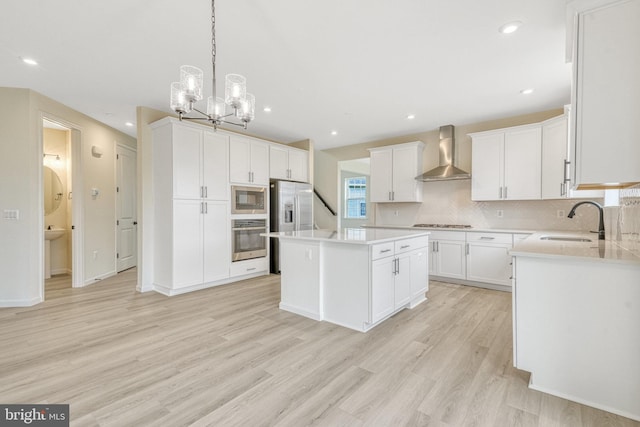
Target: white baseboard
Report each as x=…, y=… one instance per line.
x=97, y=279
x=165, y=290
x=20, y=302
x=504, y=288
x=300, y=311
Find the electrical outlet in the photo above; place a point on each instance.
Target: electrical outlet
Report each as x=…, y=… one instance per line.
x=560, y=213
x=95, y=255
x=395, y=213
x=499, y=213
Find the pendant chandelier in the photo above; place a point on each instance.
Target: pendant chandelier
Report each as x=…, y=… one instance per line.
x=188, y=91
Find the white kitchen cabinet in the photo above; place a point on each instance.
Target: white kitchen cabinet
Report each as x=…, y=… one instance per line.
x=248, y=161
x=419, y=268
x=199, y=253
x=382, y=288
x=191, y=227
x=605, y=103
x=506, y=163
x=393, y=173
x=288, y=163
x=197, y=158
x=556, y=168
x=399, y=278
x=488, y=259
x=447, y=256
x=554, y=158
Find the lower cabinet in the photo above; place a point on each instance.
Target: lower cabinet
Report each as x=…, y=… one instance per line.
x=398, y=279
x=447, y=254
x=474, y=256
x=192, y=248
x=488, y=258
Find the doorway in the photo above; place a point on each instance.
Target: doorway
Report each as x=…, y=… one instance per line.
x=62, y=208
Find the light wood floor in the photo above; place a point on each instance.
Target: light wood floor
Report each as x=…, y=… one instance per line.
x=228, y=357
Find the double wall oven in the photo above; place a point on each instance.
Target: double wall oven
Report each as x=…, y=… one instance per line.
x=248, y=221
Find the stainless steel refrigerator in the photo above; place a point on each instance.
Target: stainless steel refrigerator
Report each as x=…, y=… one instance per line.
x=291, y=210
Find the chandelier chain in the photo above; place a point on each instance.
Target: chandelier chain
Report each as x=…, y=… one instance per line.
x=213, y=46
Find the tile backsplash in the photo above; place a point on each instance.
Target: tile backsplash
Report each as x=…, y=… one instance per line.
x=449, y=202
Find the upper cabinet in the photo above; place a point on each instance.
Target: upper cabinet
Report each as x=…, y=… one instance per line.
x=197, y=157
x=556, y=167
x=248, y=161
x=393, y=173
x=288, y=163
x=606, y=100
x=506, y=163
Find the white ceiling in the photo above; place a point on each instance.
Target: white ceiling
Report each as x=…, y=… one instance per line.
x=358, y=67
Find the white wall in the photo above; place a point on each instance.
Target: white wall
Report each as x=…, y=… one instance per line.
x=21, y=248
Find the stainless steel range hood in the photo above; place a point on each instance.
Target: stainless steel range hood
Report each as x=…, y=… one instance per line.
x=446, y=171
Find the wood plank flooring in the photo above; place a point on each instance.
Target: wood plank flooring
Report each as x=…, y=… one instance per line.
x=228, y=356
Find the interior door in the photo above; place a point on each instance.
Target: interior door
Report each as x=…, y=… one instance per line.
x=126, y=208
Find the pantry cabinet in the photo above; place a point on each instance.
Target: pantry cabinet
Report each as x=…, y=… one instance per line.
x=506, y=164
x=288, y=163
x=393, y=173
x=191, y=227
x=248, y=161
x=606, y=99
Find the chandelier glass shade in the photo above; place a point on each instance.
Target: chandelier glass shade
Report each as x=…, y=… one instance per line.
x=189, y=90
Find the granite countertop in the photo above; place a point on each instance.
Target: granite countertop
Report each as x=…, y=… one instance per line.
x=361, y=236
x=624, y=252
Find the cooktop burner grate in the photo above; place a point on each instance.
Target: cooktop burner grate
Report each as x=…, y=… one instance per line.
x=442, y=225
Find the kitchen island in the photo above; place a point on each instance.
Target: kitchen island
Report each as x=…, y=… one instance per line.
x=576, y=319
x=353, y=277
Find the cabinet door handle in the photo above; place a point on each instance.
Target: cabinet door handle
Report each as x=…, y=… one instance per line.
x=466, y=249
x=486, y=238
x=251, y=269
x=499, y=192
x=201, y=208
x=389, y=197
x=562, y=188
x=393, y=195
x=206, y=191
x=201, y=192
x=566, y=174
x=385, y=250
x=505, y=191
x=397, y=265
x=438, y=246
x=405, y=246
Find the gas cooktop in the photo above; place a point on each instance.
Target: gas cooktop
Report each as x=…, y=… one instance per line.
x=442, y=225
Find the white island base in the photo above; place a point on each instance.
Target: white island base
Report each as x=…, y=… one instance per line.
x=355, y=278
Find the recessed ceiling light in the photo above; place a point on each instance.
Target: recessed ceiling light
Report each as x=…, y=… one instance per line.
x=510, y=27
x=128, y=124
x=526, y=91
x=29, y=61
x=334, y=132
x=267, y=109
x=411, y=116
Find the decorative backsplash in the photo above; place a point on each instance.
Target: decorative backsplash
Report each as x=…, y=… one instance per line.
x=449, y=202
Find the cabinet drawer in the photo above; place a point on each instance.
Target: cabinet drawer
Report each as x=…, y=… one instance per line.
x=407, y=245
x=489, y=237
x=382, y=250
x=249, y=266
x=447, y=235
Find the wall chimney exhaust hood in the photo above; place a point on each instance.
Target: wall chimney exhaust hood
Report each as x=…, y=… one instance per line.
x=446, y=171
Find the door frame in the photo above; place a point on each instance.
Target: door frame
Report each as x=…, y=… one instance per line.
x=77, y=206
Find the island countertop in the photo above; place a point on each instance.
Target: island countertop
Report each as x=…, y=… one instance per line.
x=359, y=236
x=593, y=250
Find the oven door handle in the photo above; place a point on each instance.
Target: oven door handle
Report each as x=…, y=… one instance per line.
x=248, y=228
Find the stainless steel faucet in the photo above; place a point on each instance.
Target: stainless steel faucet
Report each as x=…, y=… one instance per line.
x=600, y=210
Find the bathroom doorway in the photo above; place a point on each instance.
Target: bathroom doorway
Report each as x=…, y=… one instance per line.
x=61, y=208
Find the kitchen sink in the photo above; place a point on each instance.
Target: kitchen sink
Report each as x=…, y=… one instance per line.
x=565, y=239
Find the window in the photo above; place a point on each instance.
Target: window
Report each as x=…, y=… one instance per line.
x=355, y=195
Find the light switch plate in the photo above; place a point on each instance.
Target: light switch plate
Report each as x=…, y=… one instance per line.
x=11, y=214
